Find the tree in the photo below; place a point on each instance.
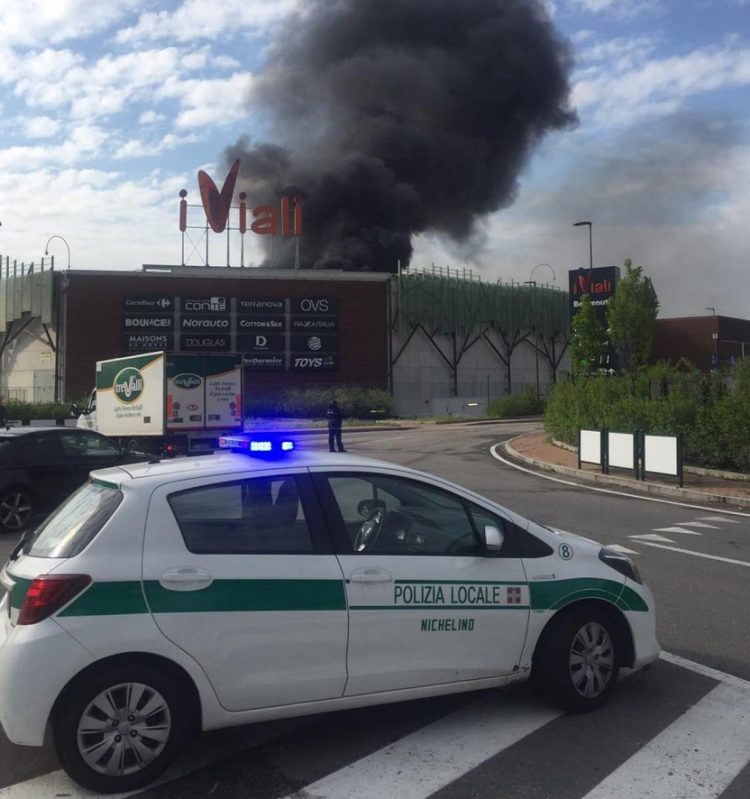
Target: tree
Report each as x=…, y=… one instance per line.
x=588, y=340
x=631, y=316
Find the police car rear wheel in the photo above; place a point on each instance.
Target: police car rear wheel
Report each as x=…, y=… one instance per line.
x=578, y=660
x=120, y=728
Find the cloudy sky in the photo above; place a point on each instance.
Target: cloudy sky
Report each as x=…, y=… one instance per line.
x=108, y=108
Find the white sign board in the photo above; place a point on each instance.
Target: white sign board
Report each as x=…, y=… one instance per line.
x=621, y=450
x=660, y=454
x=590, y=447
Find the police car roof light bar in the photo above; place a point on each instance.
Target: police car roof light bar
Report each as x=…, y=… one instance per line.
x=255, y=446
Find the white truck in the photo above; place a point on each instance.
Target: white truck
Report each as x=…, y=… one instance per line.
x=164, y=403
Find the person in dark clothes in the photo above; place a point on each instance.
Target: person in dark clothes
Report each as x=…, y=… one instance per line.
x=334, y=416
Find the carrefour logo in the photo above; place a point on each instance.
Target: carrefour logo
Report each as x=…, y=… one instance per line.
x=187, y=380
x=128, y=384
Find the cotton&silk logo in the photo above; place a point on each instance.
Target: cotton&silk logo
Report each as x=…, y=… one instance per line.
x=128, y=385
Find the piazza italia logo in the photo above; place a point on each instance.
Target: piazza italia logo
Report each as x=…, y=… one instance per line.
x=128, y=385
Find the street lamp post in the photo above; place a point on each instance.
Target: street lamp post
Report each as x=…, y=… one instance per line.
x=67, y=246
x=554, y=276
x=532, y=283
x=591, y=245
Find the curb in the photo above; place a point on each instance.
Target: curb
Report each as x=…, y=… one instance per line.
x=633, y=485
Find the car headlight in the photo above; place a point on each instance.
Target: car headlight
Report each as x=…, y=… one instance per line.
x=620, y=563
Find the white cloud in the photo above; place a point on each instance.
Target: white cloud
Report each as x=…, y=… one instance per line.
x=206, y=19
x=209, y=102
x=41, y=127
x=150, y=117
x=27, y=22
x=617, y=93
x=621, y=9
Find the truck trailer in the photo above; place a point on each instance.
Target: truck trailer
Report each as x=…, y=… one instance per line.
x=166, y=404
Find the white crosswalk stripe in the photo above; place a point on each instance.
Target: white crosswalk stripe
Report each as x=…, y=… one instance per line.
x=722, y=519
x=697, y=756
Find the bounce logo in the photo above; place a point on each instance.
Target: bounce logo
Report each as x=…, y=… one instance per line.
x=187, y=380
x=128, y=385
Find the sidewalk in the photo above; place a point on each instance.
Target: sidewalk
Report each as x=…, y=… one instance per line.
x=701, y=485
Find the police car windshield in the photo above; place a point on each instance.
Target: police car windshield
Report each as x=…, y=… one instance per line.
x=75, y=523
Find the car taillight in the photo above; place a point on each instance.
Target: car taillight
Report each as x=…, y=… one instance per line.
x=47, y=594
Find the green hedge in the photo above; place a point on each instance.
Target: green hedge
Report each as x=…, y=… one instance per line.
x=39, y=410
x=711, y=411
x=312, y=403
x=526, y=404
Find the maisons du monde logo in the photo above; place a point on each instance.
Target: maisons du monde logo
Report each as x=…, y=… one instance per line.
x=128, y=385
x=187, y=380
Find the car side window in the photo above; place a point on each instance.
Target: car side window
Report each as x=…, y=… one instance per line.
x=38, y=449
x=262, y=515
x=80, y=444
x=399, y=516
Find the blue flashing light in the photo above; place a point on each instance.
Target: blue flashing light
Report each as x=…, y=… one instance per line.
x=251, y=445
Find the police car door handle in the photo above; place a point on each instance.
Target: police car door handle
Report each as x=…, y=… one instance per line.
x=371, y=576
x=185, y=578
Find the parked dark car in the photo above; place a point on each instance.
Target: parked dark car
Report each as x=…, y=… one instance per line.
x=42, y=466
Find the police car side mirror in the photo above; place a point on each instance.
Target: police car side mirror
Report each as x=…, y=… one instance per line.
x=493, y=540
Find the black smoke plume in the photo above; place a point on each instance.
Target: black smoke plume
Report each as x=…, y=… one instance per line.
x=396, y=117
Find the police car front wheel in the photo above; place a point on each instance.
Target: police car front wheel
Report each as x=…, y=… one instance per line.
x=118, y=729
x=578, y=659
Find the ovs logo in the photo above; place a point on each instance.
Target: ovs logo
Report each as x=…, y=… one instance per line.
x=128, y=385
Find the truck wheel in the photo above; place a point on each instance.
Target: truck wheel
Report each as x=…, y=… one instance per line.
x=120, y=728
x=16, y=510
x=578, y=659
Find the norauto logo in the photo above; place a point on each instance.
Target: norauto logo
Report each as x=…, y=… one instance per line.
x=187, y=380
x=128, y=384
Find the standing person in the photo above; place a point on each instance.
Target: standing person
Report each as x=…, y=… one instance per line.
x=334, y=416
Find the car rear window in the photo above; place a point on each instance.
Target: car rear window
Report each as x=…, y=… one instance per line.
x=75, y=523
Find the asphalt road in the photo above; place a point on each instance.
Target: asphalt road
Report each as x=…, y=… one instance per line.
x=676, y=731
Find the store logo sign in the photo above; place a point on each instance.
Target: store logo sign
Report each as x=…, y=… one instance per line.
x=217, y=204
x=128, y=385
x=187, y=380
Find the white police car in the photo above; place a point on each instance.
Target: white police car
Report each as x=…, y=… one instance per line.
x=166, y=598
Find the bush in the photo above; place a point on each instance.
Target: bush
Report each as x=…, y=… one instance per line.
x=711, y=411
x=37, y=410
x=312, y=403
x=526, y=404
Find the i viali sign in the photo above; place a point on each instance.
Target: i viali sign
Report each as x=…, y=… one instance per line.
x=267, y=220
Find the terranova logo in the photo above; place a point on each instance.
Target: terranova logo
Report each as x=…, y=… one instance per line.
x=128, y=384
x=187, y=380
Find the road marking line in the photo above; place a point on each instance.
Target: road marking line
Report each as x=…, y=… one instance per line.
x=698, y=755
x=719, y=519
x=705, y=671
x=681, y=530
x=500, y=458
x=624, y=550
x=416, y=766
x=696, y=554
x=651, y=537
x=699, y=524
